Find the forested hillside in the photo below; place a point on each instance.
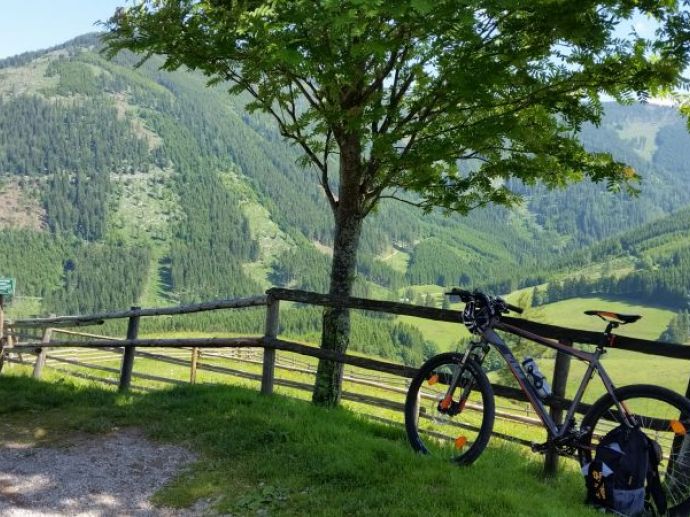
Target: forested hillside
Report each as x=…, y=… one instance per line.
x=122, y=185
x=658, y=256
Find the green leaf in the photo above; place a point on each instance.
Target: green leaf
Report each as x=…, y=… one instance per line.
x=422, y=6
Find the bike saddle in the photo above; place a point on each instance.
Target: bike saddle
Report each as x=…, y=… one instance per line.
x=614, y=316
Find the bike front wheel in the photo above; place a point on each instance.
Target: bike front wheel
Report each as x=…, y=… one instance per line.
x=458, y=419
x=663, y=416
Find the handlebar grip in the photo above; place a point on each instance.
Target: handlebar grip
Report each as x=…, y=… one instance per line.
x=465, y=296
x=514, y=308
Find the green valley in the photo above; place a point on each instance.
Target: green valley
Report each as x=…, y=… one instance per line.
x=181, y=196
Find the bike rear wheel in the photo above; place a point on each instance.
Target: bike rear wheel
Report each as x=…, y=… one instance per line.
x=435, y=415
x=664, y=416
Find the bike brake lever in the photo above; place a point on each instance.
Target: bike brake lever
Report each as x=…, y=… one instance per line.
x=508, y=307
x=464, y=296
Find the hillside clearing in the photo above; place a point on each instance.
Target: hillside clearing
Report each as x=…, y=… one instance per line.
x=18, y=208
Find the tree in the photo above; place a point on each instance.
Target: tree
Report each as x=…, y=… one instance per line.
x=678, y=330
x=435, y=104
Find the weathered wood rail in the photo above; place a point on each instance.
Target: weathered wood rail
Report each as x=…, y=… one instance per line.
x=270, y=343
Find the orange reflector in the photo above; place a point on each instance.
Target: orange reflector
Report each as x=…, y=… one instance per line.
x=678, y=428
x=446, y=402
x=433, y=379
x=460, y=442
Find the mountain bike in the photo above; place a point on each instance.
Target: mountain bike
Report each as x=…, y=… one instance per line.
x=450, y=402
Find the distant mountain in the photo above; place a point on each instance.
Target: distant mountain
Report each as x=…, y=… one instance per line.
x=123, y=185
x=650, y=263
x=654, y=140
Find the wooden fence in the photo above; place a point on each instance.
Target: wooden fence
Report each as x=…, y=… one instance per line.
x=270, y=343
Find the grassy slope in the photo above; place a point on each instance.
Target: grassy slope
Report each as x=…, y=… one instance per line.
x=623, y=367
x=396, y=259
x=274, y=455
x=569, y=313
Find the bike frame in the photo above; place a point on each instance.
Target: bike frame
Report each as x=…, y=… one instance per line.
x=592, y=359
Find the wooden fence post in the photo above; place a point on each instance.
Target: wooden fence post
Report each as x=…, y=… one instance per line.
x=560, y=380
x=272, y=323
x=42, y=352
x=2, y=321
x=195, y=360
x=4, y=355
x=128, y=356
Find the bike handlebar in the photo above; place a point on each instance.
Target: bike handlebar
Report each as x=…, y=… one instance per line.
x=499, y=304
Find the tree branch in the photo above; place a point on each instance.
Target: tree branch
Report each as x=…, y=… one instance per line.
x=295, y=135
x=402, y=200
x=324, y=172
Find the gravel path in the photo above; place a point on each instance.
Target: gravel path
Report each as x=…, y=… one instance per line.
x=89, y=476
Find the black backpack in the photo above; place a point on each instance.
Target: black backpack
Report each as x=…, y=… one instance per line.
x=625, y=460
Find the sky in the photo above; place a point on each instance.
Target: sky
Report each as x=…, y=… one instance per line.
x=36, y=24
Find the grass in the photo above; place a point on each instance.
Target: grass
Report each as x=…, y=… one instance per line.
x=260, y=455
x=147, y=207
x=396, y=259
x=27, y=79
x=240, y=481
x=623, y=367
x=444, y=334
x=612, y=266
x=570, y=313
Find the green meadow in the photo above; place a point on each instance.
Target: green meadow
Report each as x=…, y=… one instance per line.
x=274, y=455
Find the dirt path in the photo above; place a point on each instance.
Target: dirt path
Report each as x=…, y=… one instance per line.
x=89, y=476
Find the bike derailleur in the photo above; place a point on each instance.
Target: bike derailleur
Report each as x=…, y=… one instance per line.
x=566, y=445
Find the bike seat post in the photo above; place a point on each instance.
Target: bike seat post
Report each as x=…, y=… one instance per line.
x=612, y=325
x=607, y=334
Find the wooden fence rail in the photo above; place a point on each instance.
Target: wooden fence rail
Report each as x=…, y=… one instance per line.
x=98, y=319
x=270, y=342
x=508, y=324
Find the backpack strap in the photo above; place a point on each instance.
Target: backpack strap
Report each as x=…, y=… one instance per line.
x=653, y=481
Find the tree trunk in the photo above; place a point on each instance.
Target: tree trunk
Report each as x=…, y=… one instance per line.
x=336, y=322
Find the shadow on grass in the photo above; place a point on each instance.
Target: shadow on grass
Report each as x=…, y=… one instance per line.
x=280, y=455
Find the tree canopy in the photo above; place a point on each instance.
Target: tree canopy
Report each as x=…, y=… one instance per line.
x=436, y=103
x=424, y=87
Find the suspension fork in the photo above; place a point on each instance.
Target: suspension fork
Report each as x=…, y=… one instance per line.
x=476, y=351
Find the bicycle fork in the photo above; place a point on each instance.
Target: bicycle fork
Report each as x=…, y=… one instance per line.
x=447, y=406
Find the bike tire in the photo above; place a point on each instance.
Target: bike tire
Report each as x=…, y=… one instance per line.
x=423, y=396
x=655, y=408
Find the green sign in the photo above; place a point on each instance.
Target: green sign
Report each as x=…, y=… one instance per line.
x=7, y=286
